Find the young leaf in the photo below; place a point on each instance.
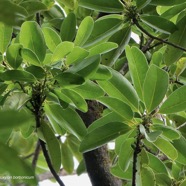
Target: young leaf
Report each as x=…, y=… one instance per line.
x=159, y=23
x=119, y=87
x=17, y=75
x=117, y=106
x=53, y=146
x=176, y=102
x=102, y=135
x=52, y=38
x=31, y=37
x=13, y=55
x=155, y=87
x=84, y=31
x=138, y=68
x=111, y=6
x=172, y=54
x=5, y=36
x=62, y=50
x=167, y=148
x=68, y=27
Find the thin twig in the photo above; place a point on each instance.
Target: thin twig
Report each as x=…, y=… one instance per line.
x=36, y=155
x=157, y=38
x=183, y=125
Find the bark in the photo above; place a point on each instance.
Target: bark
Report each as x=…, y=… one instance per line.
x=97, y=161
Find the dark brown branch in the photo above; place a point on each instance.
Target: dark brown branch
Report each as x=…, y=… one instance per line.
x=157, y=38
x=36, y=155
x=38, y=20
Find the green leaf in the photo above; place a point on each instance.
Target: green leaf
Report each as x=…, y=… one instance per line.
x=176, y=102
x=68, y=27
x=102, y=48
x=38, y=72
x=155, y=87
x=76, y=56
x=30, y=57
x=167, y=148
x=172, y=54
x=13, y=55
x=32, y=7
x=68, y=119
x=9, y=160
x=52, y=38
x=52, y=142
x=103, y=28
x=117, y=106
x=68, y=3
x=102, y=73
x=84, y=31
x=111, y=6
x=5, y=36
x=147, y=176
x=166, y=3
x=126, y=155
x=142, y=3
x=76, y=99
x=87, y=67
x=68, y=79
x=159, y=23
x=62, y=50
x=89, y=90
x=138, y=68
x=168, y=132
x=102, y=135
x=183, y=183
x=31, y=37
x=17, y=118
x=67, y=158
x=119, y=87
x=17, y=75
x=15, y=14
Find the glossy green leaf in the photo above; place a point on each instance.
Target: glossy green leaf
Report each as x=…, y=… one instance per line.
x=102, y=73
x=172, y=54
x=126, y=155
x=119, y=87
x=68, y=79
x=183, y=183
x=87, y=67
x=167, y=148
x=84, y=31
x=102, y=135
x=62, y=50
x=147, y=176
x=68, y=28
x=76, y=56
x=68, y=119
x=9, y=159
x=168, y=132
x=159, y=23
x=38, y=72
x=138, y=68
x=102, y=48
x=31, y=37
x=52, y=142
x=5, y=36
x=176, y=102
x=32, y=7
x=104, y=28
x=155, y=87
x=51, y=37
x=68, y=3
x=112, y=116
x=117, y=106
x=17, y=118
x=67, y=158
x=89, y=90
x=111, y=6
x=142, y=3
x=166, y=3
x=17, y=75
x=163, y=179
x=15, y=14
x=76, y=99
x=13, y=55
x=30, y=57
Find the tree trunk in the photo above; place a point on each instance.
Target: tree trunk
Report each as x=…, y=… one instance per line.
x=97, y=161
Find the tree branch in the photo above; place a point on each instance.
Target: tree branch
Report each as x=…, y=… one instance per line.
x=36, y=155
x=157, y=38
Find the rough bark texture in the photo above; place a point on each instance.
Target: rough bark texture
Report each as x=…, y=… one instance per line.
x=98, y=161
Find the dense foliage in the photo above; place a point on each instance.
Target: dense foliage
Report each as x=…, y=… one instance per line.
x=57, y=56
